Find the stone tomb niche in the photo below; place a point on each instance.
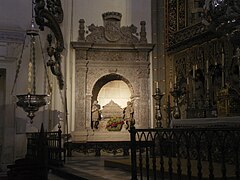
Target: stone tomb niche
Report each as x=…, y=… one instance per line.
x=110, y=52
x=112, y=118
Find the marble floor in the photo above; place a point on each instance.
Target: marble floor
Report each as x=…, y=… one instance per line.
x=89, y=167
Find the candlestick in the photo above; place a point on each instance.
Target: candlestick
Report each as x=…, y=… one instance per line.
x=193, y=71
x=158, y=115
x=157, y=84
x=170, y=85
x=169, y=110
x=207, y=83
x=223, y=71
x=176, y=93
x=223, y=57
x=207, y=80
x=207, y=66
x=30, y=68
x=194, y=86
x=175, y=79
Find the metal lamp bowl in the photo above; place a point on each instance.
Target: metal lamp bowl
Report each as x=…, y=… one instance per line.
x=31, y=103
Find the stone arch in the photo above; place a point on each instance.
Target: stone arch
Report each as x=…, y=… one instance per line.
x=108, y=78
x=103, y=56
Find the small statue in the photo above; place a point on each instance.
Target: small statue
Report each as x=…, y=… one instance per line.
x=128, y=115
x=199, y=87
x=96, y=114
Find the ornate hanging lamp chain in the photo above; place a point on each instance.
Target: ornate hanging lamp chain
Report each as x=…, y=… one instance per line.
x=30, y=67
x=34, y=64
x=30, y=76
x=18, y=65
x=31, y=102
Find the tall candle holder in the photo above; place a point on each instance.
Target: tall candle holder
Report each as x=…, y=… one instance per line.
x=238, y=62
x=193, y=106
x=168, y=110
x=207, y=102
x=223, y=67
x=176, y=93
x=158, y=116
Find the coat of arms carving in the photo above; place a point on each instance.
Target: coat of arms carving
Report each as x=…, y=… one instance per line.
x=112, y=25
x=111, y=31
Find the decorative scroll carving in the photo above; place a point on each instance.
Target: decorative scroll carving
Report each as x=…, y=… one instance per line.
x=55, y=8
x=176, y=18
x=172, y=19
x=182, y=19
x=50, y=18
x=97, y=34
x=112, y=31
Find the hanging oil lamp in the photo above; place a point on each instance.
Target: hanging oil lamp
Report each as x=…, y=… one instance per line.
x=31, y=102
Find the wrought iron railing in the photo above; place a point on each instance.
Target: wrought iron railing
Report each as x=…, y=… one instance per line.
x=55, y=150
x=185, y=153
x=98, y=147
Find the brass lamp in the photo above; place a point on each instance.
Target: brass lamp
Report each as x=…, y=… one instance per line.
x=31, y=102
x=46, y=14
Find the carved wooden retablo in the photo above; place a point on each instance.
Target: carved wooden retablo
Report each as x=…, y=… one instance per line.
x=228, y=102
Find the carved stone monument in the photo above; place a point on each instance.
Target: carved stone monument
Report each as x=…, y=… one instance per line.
x=110, y=52
x=112, y=117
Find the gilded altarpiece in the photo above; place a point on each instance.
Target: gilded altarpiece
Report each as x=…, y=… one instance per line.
x=205, y=59
x=176, y=17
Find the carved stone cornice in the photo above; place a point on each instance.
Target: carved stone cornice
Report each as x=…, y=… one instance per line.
x=112, y=31
x=111, y=47
x=11, y=41
x=11, y=36
x=111, y=52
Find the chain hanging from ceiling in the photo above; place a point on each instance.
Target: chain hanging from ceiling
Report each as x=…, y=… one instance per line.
x=31, y=101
